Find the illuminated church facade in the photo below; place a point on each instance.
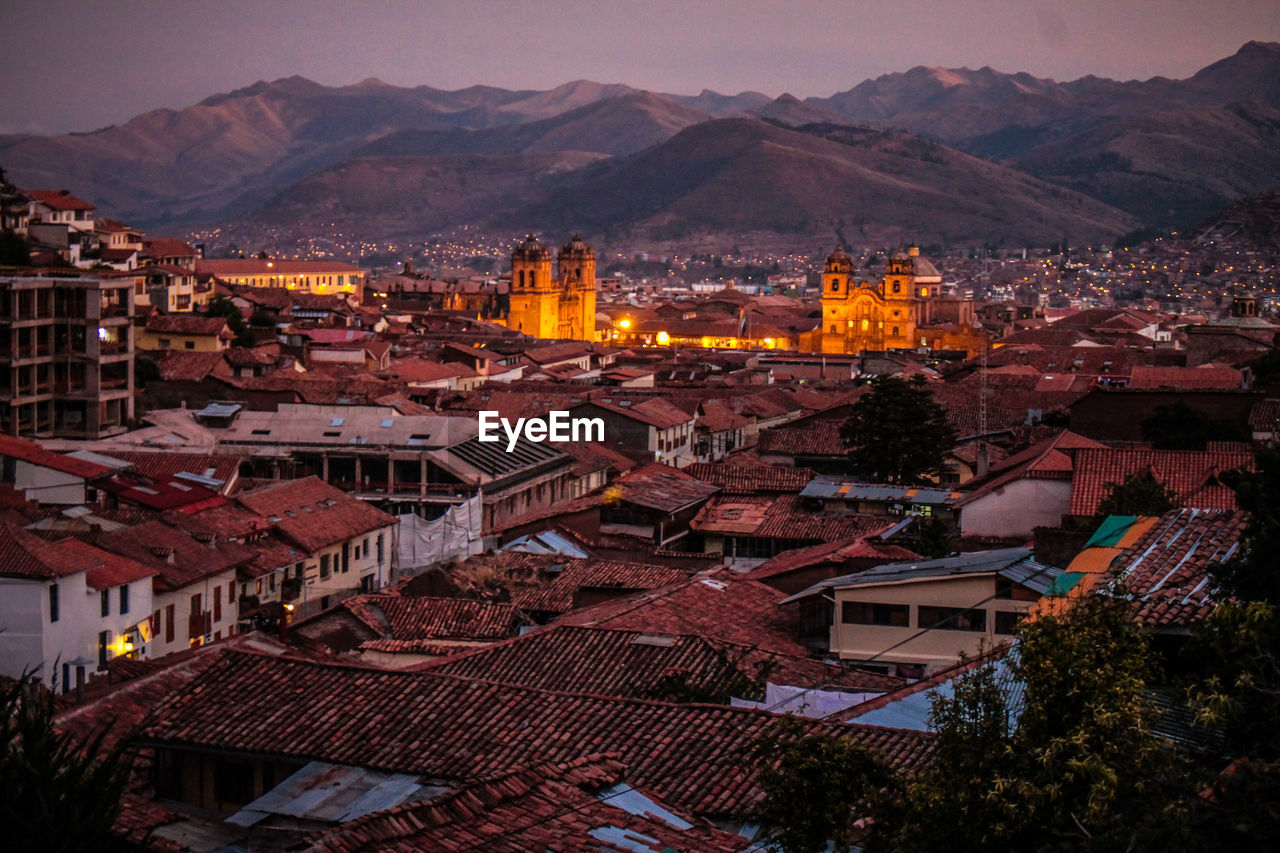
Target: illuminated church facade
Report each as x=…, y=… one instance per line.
x=553, y=304
x=904, y=310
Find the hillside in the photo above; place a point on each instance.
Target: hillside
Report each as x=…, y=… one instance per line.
x=735, y=175
x=617, y=126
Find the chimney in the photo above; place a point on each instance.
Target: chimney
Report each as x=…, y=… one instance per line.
x=984, y=462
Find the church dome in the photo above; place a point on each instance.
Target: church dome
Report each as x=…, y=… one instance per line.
x=839, y=261
x=530, y=250
x=577, y=247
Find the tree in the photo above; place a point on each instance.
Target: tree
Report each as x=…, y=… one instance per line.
x=1178, y=426
x=57, y=792
x=1139, y=494
x=1079, y=770
x=221, y=306
x=898, y=433
x=817, y=787
x=13, y=250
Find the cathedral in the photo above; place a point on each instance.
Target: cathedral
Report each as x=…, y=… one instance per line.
x=562, y=305
x=905, y=310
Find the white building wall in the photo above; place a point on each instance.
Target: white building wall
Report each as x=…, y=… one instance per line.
x=223, y=585
x=47, y=485
x=1017, y=508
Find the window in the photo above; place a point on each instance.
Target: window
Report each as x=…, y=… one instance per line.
x=897, y=287
x=189, y=344
x=168, y=623
x=53, y=603
x=1004, y=588
x=834, y=330
x=1007, y=621
x=165, y=343
x=104, y=640
x=835, y=286
x=105, y=597
x=895, y=330
x=379, y=549
x=324, y=566
x=952, y=619
x=124, y=599
x=871, y=613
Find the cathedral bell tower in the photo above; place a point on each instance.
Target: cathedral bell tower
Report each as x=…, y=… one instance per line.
x=533, y=294
x=576, y=276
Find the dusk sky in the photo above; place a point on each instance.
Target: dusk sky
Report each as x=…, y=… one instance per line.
x=82, y=65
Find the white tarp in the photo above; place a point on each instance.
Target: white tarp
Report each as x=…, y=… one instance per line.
x=454, y=535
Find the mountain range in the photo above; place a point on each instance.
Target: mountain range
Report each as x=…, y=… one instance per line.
x=937, y=154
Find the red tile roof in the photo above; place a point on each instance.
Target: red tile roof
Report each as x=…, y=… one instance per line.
x=780, y=517
x=24, y=555
x=660, y=487
x=180, y=560
x=719, y=606
x=814, y=438
x=751, y=479
x=168, y=247
x=465, y=729
x=28, y=451
x=1265, y=416
x=1206, y=377
x=106, y=568
x=186, y=324
x=185, y=365
x=837, y=553
x=314, y=514
x=165, y=466
x=1191, y=476
x=414, y=618
x=568, y=807
x=559, y=594
x=223, y=267
x=655, y=411
x=639, y=665
x=59, y=200
x=1166, y=572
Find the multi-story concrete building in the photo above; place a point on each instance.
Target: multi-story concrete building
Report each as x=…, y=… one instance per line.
x=66, y=356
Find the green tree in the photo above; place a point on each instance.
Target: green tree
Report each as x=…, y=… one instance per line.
x=816, y=788
x=1178, y=426
x=221, y=306
x=1081, y=768
x=57, y=792
x=1139, y=494
x=898, y=433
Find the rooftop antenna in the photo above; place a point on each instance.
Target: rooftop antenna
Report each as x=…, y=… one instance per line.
x=982, y=394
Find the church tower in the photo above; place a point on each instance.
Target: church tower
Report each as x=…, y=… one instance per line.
x=576, y=276
x=837, y=281
x=534, y=302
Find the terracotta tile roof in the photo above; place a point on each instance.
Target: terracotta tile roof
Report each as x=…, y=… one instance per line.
x=414, y=618
x=180, y=560
x=1206, y=377
x=1052, y=459
x=837, y=553
x=24, y=555
x=59, y=200
x=106, y=569
x=1191, y=476
x=1265, y=416
x=779, y=517
x=639, y=665
x=168, y=247
x=814, y=438
x=580, y=806
x=186, y=366
x=313, y=513
x=1166, y=571
x=656, y=412
x=720, y=606
x=662, y=488
x=559, y=595
x=28, y=451
x=165, y=466
x=223, y=267
x=751, y=479
x=186, y=324
x=464, y=729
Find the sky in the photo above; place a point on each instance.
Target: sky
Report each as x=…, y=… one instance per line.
x=76, y=66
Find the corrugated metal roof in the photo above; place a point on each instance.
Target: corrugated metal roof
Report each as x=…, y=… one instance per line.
x=913, y=709
x=831, y=488
x=545, y=542
x=1015, y=564
x=333, y=793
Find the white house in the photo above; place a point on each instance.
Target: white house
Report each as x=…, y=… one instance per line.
x=67, y=608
